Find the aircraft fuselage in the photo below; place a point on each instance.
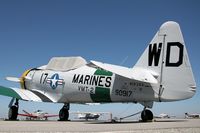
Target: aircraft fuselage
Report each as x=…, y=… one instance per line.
x=87, y=84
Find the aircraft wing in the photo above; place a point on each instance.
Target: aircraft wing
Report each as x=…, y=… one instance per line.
x=50, y=115
x=158, y=117
x=89, y=112
x=28, y=115
x=138, y=74
x=22, y=94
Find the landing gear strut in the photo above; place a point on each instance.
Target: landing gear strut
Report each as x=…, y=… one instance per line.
x=13, y=111
x=64, y=112
x=146, y=115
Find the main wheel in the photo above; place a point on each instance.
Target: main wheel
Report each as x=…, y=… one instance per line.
x=12, y=113
x=146, y=115
x=64, y=114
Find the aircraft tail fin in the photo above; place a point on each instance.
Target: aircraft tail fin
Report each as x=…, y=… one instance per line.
x=26, y=112
x=167, y=56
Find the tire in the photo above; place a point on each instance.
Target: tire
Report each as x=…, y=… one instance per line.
x=146, y=115
x=12, y=113
x=64, y=114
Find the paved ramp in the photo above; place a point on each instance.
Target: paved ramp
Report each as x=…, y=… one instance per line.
x=160, y=126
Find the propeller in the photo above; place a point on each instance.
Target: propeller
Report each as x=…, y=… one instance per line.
x=20, y=80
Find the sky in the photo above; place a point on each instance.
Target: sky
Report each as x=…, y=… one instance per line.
x=111, y=31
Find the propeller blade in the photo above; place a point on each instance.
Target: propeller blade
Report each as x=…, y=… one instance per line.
x=13, y=79
x=28, y=78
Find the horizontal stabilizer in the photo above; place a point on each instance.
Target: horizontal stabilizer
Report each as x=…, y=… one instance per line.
x=138, y=74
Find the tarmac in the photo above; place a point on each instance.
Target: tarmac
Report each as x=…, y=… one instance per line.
x=157, y=126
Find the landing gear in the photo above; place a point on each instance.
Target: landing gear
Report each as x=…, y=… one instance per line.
x=64, y=113
x=13, y=111
x=146, y=115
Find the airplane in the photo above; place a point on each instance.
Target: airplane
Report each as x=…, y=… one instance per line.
x=88, y=115
x=91, y=115
x=163, y=115
x=162, y=74
x=187, y=115
x=37, y=115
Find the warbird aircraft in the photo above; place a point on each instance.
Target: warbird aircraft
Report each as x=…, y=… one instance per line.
x=37, y=115
x=88, y=115
x=163, y=115
x=162, y=74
